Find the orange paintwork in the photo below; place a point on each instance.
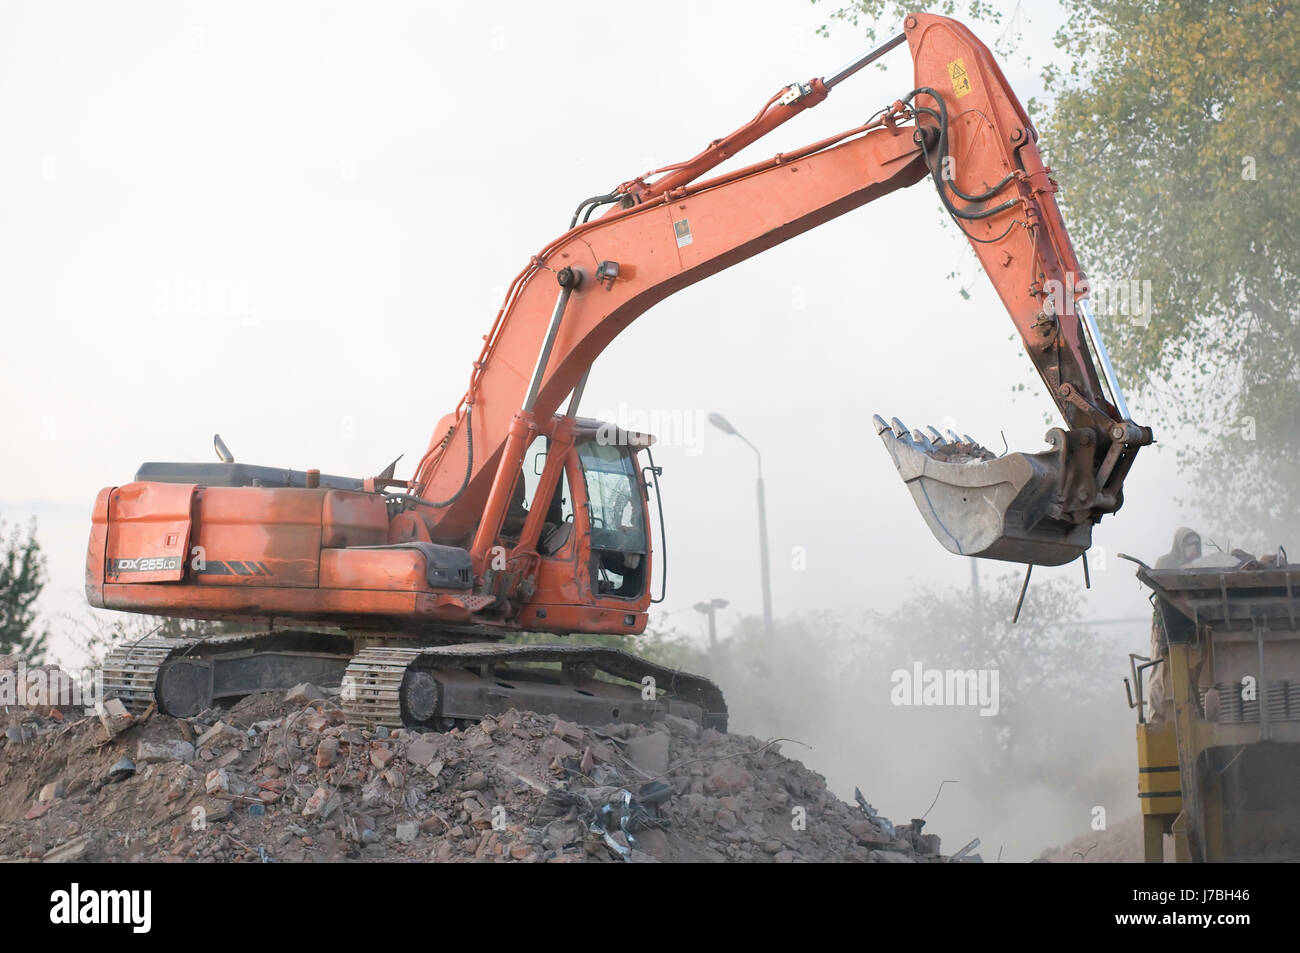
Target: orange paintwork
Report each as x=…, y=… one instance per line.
x=391, y=610
x=96, y=551
x=148, y=532
x=275, y=531
x=401, y=570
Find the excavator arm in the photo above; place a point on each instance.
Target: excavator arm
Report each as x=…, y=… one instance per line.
x=962, y=127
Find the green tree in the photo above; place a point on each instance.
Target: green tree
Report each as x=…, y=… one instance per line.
x=22, y=579
x=1176, y=130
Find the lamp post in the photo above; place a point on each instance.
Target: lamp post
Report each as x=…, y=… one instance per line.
x=725, y=426
x=710, y=609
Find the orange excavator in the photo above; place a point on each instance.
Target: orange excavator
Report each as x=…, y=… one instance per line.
x=523, y=516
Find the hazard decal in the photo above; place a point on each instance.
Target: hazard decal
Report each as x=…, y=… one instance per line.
x=960, y=78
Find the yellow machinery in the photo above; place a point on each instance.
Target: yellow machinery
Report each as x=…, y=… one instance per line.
x=1219, y=766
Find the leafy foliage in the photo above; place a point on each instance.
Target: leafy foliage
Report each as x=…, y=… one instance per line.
x=1175, y=127
x=878, y=20
x=22, y=579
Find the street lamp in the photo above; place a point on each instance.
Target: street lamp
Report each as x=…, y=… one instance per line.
x=725, y=426
x=710, y=609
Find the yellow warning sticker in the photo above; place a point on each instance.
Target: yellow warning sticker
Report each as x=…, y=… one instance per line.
x=960, y=78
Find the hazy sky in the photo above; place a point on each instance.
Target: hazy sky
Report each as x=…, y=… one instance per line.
x=292, y=222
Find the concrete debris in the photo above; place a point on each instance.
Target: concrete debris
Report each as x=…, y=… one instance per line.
x=279, y=778
x=51, y=791
x=219, y=732
x=303, y=694
x=115, y=718
x=159, y=752
x=730, y=778
x=67, y=852
x=217, y=781
x=649, y=752
x=422, y=751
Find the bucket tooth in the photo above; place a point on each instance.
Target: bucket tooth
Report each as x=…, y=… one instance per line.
x=936, y=438
x=900, y=428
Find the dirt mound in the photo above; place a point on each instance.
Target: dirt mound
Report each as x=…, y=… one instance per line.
x=281, y=778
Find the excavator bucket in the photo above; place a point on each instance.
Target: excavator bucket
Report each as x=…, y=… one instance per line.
x=978, y=504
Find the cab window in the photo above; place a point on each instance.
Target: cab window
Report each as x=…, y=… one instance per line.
x=618, y=532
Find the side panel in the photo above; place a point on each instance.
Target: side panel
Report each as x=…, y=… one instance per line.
x=148, y=532
x=398, y=570
x=255, y=536
x=353, y=519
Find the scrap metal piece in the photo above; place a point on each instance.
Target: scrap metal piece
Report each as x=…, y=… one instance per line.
x=964, y=851
x=884, y=823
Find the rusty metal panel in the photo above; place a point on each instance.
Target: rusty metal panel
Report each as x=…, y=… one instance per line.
x=353, y=519
x=260, y=537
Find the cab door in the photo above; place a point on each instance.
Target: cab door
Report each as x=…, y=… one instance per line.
x=614, y=508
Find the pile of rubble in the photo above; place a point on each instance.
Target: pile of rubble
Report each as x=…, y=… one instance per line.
x=281, y=778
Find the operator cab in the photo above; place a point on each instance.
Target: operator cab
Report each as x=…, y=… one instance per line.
x=601, y=492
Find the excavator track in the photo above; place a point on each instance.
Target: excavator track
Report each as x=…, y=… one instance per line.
x=433, y=685
x=372, y=685
x=131, y=671
x=395, y=683
x=183, y=676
